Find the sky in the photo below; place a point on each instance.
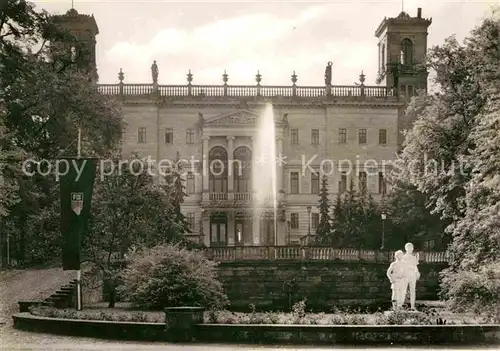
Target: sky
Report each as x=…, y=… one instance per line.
x=274, y=37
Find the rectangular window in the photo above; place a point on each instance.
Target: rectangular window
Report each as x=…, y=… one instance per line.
x=315, y=137
x=411, y=91
x=294, y=182
x=382, y=136
x=141, y=135
x=190, y=136
x=382, y=185
x=169, y=136
x=314, y=220
x=124, y=134
x=314, y=183
x=362, y=180
x=294, y=222
x=294, y=136
x=342, y=135
x=190, y=219
x=402, y=90
x=343, y=183
x=362, y=136
x=190, y=183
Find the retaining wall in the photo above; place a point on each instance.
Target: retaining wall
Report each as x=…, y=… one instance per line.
x=275, y=285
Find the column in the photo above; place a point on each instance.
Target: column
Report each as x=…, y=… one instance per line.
x=257, y=211
x=205, y=164
x=254, y=166
x=256, y=227
x=206, y=228
x=279, y=167
x=230, y=171
x=230, y=228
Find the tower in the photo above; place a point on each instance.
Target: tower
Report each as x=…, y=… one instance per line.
x=402, y=50
x=84, y=29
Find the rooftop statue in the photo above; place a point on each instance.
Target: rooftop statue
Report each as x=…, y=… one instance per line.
x=154, y=72
x=328, y=73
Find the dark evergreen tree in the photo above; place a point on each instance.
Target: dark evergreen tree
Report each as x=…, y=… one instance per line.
x=324, y=228
x=356, y=219
x=176, y=182
x=350, y=220
x=369, y=216
x=337, y=223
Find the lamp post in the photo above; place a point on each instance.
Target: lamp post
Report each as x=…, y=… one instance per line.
x=308, y=221
x=383, y=216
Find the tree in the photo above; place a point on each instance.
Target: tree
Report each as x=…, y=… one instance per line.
x=411, y=219
x=455, y=129
x=175, y=180
x=9, y=162
x=370, y=235
x=44, y=99
x=337, y=233
x=324, y=228
x=129, y=209
x=444, y=133
x=356, y=218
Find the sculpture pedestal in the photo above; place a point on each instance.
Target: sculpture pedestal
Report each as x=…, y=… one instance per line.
x=180, y=322
x=403, y=311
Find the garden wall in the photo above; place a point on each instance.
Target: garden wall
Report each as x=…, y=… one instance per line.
x=276, y=285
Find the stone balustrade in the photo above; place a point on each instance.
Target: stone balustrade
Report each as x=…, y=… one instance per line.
x=321, y=253
x=242, y=91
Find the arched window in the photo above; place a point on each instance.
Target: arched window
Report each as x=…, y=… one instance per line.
x=242, y=170
x=217, y=167
x=406, y=52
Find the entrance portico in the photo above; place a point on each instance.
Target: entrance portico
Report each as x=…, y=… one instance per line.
x=229, y=197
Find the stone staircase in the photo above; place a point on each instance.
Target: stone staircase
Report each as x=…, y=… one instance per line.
x=62, y=298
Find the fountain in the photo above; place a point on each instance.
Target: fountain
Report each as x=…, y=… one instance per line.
x=264, y=172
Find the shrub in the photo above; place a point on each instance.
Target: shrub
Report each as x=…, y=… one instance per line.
x=169, y=276
x=475, y=291
x=299, y=312
x=112, y=315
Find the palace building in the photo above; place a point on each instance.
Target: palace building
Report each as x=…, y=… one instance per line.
x=315, y=127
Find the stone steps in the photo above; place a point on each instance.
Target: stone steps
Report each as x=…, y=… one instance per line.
x=64, y=297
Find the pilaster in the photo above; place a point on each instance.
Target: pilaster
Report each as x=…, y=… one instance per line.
x=230, y=155
x=206, y=173
x=279, y=165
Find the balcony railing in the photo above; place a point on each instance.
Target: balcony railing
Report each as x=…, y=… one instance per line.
x=224, y=254
x=242, y=197
x=238, y=91
x=218, y=196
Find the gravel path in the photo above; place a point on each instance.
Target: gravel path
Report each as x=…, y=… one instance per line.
x=38, y=284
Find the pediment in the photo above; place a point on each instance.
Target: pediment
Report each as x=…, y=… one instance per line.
x=240, y=118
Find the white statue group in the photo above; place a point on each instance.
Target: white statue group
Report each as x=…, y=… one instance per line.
x=403, y=274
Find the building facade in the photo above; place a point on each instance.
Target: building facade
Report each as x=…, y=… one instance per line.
x=348, y=133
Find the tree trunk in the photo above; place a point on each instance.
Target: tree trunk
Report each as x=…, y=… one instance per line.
x=22, y=242
x=112, y=296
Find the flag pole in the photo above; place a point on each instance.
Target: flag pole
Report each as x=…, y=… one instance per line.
x=79, y=272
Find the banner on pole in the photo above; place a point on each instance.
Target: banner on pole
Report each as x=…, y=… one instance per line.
x=76, y=195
